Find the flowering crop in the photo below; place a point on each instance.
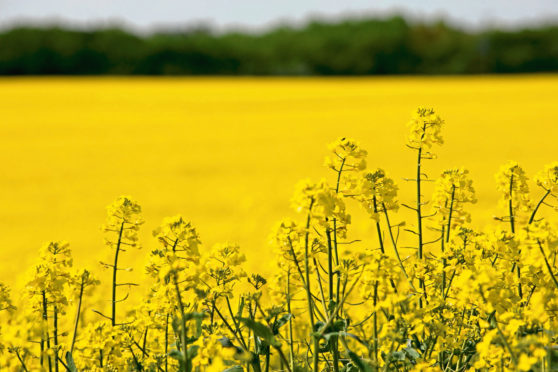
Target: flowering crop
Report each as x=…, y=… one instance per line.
x=457, y=299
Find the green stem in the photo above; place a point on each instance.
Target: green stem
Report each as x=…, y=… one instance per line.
x=46, y=336
x=419, y=204
x=378, y=229
x=444, y=261
x=114, y=271
x=291, y=346
x=375, y=324
x=308, y=290
x=394, y=244
x=76, y=323
x=450, y=213
x=532, y=218
x=236, y=325
x=510, y=206
x=547, y=264
x=182, y=323
x=167, y=344
x=55, y=324
x=419, y=213
x=21, y=361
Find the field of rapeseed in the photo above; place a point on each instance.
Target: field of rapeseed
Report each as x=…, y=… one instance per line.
x=421, y=289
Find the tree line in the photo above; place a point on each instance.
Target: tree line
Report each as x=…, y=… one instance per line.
x=348, y=47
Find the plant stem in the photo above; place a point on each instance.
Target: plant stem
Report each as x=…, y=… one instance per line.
x=21, y=361
x=45, y=335
x=394, y=243
x=291, y=347
x=182, y=323
x=444, y=261
x=55, y=323
x=532, y=218
x=77, y=315
x=308, y=290
x=419, y=212
x=114, y=270
x=378, y=229
x=510, y=206
x=547, y=264
x=167, y=344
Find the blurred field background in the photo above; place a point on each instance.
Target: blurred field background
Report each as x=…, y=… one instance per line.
x=227, y=152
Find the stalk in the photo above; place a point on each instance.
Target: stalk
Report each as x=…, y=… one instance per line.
x=55, y=323
x=77, y=315
x=378, y=229
x=394, y=244
x=444, y=261
x=510, y=206
x=547, y=264
x=114, y=270
x=375, y=324
x=291, y=347
x=21, y=361
x=512, y=225
x=419, y=204
x=308, y=290
x=532, y=218
x=182, y=323
x=419, y=211
x=335, y=228
x=167, y=344
x=45, y=319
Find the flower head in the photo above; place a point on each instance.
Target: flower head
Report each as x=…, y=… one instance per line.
x=377, y=192
x=548, y=178
x=512, y=184
x=453, y=189
x=347, y=156
x=425, y=129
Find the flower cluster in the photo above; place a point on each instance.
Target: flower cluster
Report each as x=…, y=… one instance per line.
x=472, y=299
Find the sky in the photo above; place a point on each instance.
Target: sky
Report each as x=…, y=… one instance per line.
x=142, y=15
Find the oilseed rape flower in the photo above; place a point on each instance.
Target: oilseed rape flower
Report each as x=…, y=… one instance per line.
x=347, y=155
x=511, y=181
x=347, y=160
x=452, y=190
x=377, y=193
x=334, y=301
x=548, y=178
x=425, y=129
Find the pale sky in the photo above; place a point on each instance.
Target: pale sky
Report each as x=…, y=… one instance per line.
x=143, y=15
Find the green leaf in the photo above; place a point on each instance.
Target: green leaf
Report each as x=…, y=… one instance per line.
x=397, y=356
x=357, y=361
x=193, y=315
x=412, y=352
x=193, y=351
x=178, y=355
x=234, y=369
x=281, y=322
x=327, y=336
x=70, y=362
x=240, y=308
x=261, y=330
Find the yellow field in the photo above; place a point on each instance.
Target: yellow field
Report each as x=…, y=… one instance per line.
x=226, y=153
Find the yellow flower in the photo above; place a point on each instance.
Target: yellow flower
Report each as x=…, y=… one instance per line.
x=377, y=193
x=512, y=184
x=123, y=222
x=548, y=178
x=425, y=129
x=453, y=189
x=347, y=156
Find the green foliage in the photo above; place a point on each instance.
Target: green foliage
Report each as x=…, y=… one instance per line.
x=349, y=47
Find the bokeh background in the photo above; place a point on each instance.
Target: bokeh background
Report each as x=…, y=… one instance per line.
x=251, y=95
